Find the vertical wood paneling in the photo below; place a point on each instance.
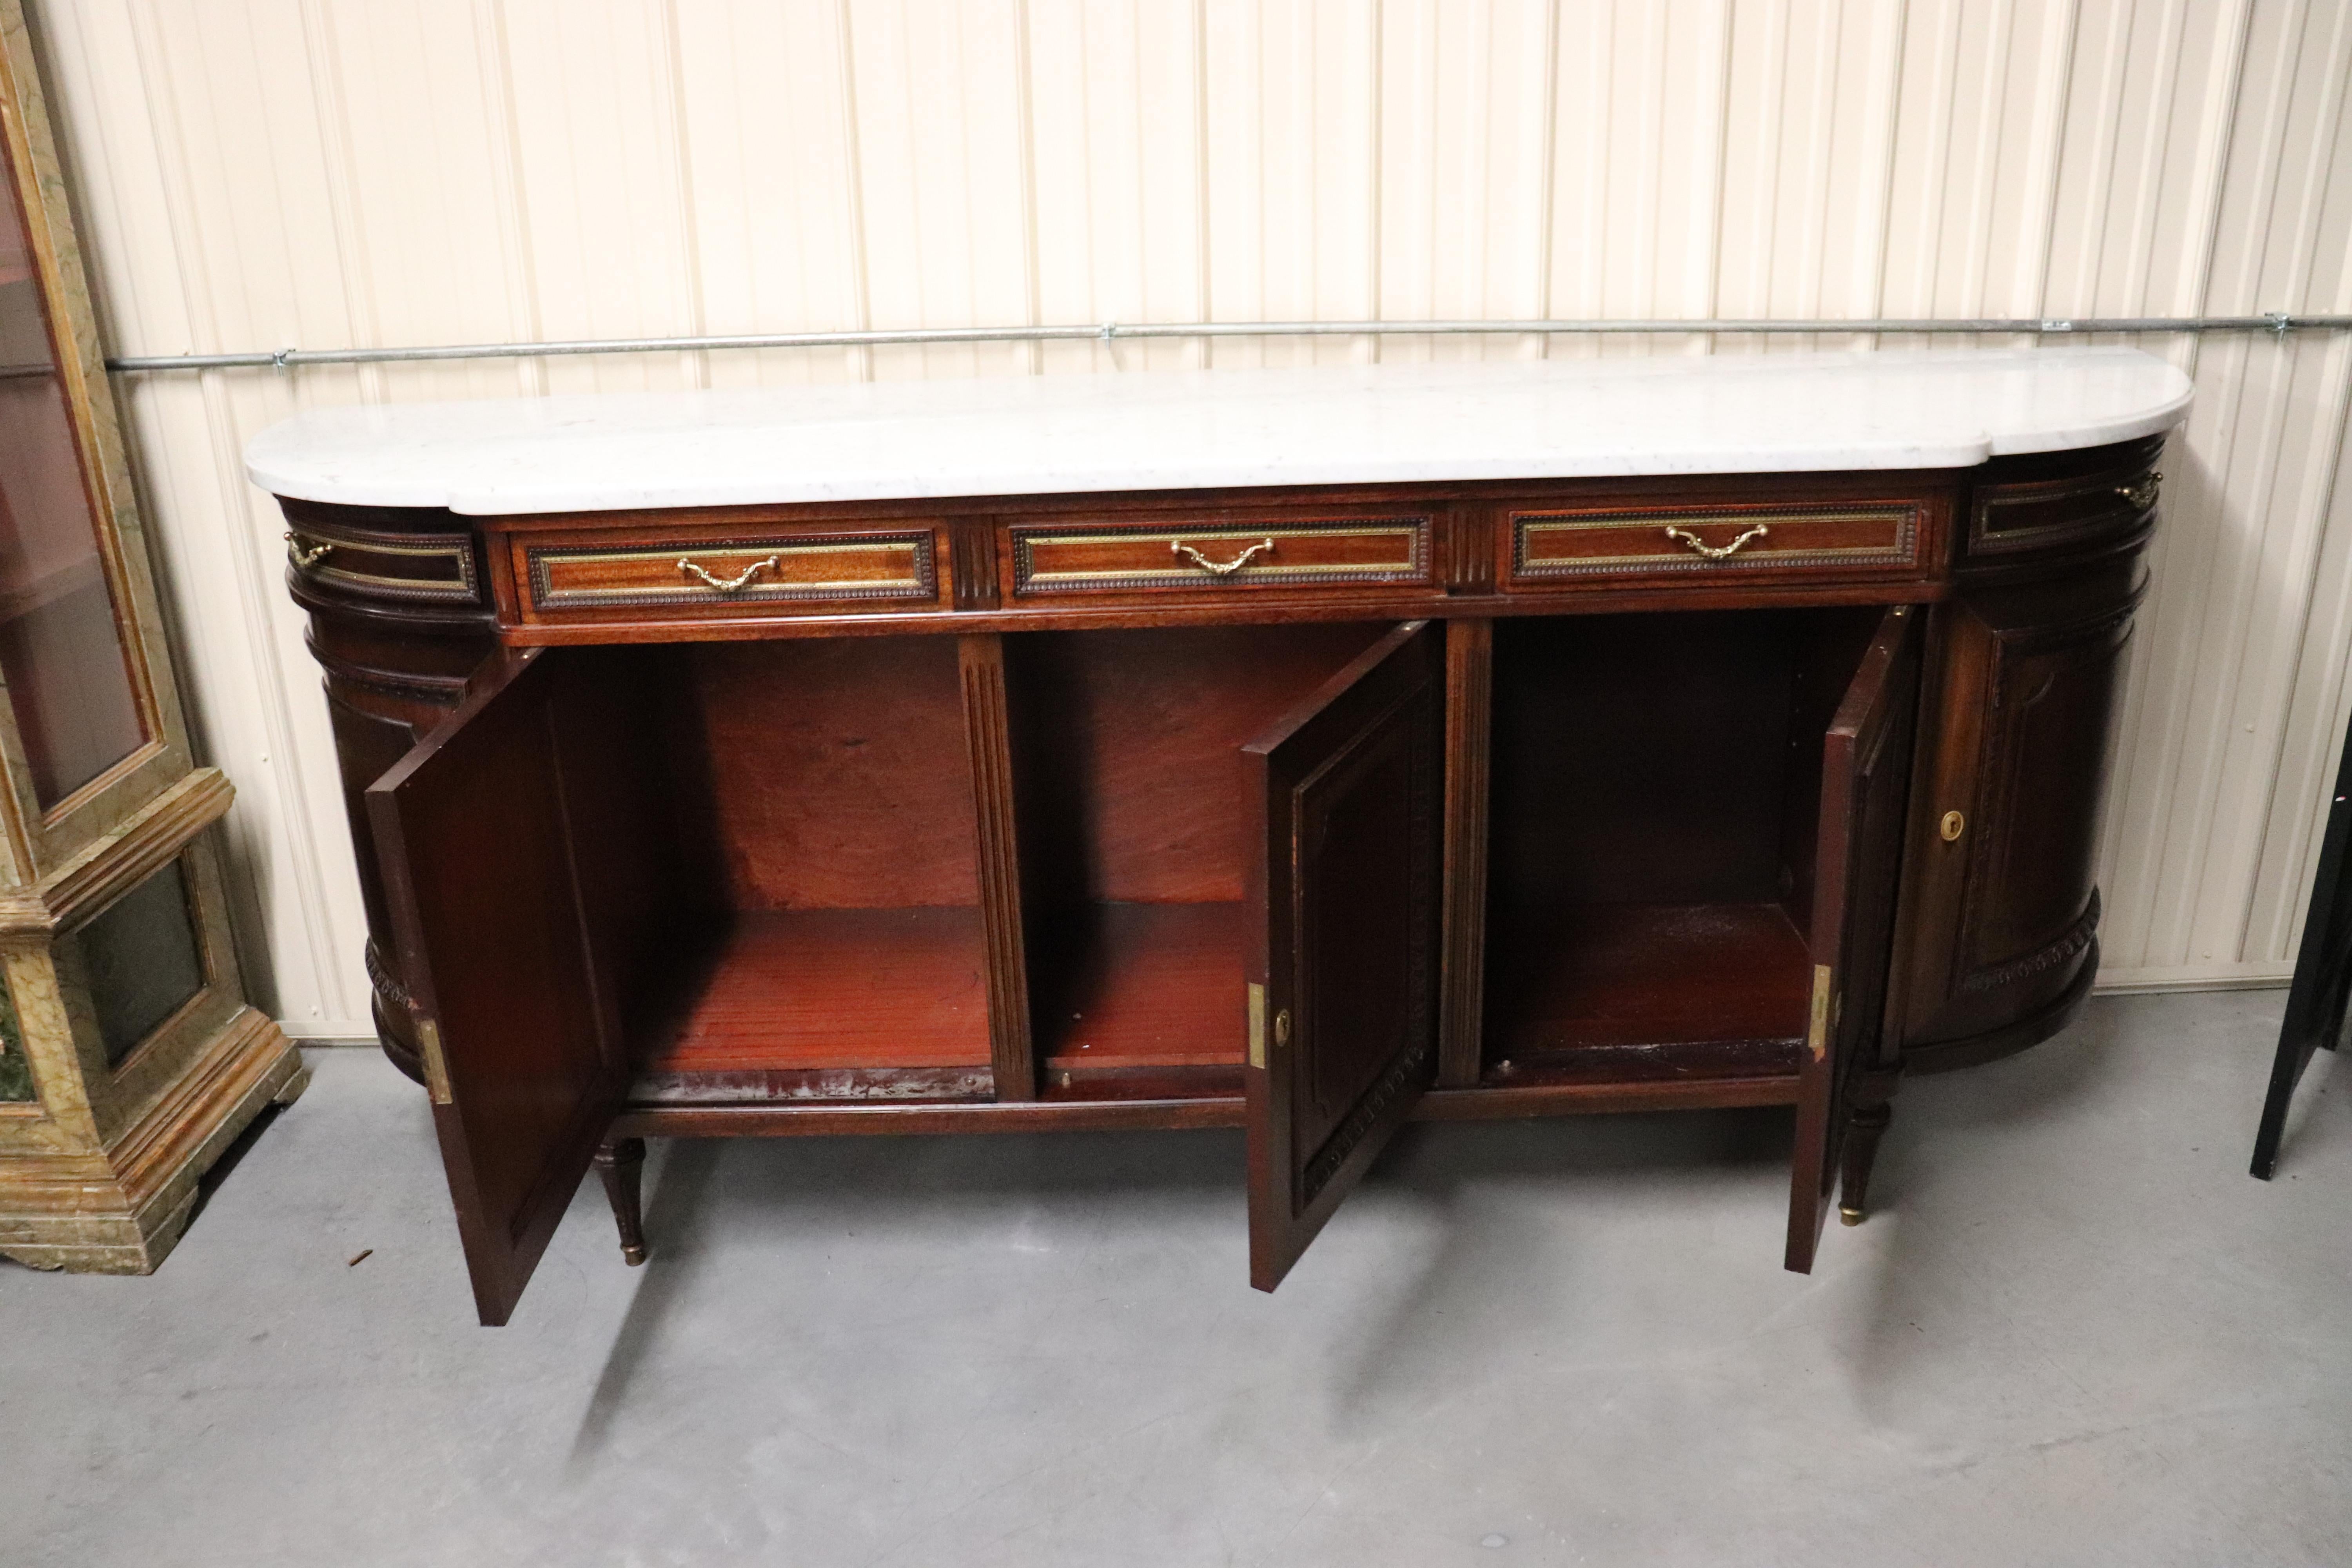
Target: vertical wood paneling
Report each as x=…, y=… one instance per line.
x=1114, y=149
x=605, y=184
x=2301, y=398
x=766, y=106
x=238, y=93
x=2313, y=732
x=939, y=93
x=421, y=211
x=1465, y=109
x=1293, y=156
x=264, y=173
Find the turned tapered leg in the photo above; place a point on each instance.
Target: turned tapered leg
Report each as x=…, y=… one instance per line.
x=1863, y=1133
x=621, y=1163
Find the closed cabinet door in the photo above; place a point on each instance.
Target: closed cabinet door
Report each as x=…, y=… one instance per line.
x=2007, y=840
x=1857, y=868
x=488, y=842
x=2050, y=732
x=1342, y=984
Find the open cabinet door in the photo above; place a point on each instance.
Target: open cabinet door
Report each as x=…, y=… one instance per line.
x=1343, y=982
x=1858, y=859
x=474, y=834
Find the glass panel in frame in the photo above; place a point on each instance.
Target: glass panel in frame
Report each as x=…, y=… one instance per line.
x=140, y=959
x=61, y=640
x=16, y=1068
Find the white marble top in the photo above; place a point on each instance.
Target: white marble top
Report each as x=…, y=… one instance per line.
x=1203, y=429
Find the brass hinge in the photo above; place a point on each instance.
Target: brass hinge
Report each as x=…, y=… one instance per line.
x=1256, y=1024
x=1817, y=1037
x=436, y=1065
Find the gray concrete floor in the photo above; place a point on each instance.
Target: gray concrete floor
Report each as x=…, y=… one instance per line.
x=2077, y=1333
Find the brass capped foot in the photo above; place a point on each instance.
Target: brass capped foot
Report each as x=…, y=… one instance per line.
x=620, y=1163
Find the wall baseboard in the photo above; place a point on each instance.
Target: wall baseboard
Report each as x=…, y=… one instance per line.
x=314, y=1036
x=2193, y=977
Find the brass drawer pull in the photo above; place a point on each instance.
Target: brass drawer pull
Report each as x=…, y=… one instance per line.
x=729, y=585
x=1219, y=568
x=1717, y=551
x=304, y=553
x=2142, y=495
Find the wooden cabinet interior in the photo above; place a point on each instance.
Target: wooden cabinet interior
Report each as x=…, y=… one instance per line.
x=1137, y=839
x=1655, y=810
x=1307, y=860
x=825, y=845
x=751, y=874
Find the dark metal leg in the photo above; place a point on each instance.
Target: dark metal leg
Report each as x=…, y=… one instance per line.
x=2322, y=990
x=2284, y=1073
x=2314, y=1018
x=2294, y=1055
x=1862, y=1135
x=621, y=1163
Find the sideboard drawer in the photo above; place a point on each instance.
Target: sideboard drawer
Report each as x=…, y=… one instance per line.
x=369, y=563
x=727, y=576
x=1548, y=547
x=2058, y=501
x=1220, y=557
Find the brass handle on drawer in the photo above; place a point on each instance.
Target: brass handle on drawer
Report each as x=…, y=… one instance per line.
x=1717, y=551
x=729, y=585
x=305, y=558
x=2142, y=495
x=1219, y=568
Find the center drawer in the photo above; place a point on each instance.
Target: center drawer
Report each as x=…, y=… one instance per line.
x=1219, y=557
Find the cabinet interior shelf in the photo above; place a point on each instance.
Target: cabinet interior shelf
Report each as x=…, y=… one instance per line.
x=808, y=990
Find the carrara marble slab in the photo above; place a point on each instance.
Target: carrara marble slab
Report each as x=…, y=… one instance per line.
x=1219, y=428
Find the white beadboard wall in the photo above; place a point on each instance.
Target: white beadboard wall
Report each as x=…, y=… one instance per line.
x=259, y=173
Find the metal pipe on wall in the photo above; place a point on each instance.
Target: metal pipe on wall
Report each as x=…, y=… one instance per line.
x=2278, y=323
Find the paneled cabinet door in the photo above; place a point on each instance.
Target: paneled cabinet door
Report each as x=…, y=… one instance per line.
x=1857, y=866
x=2033, y=905
x=475, y=830
x=2009, y=905
x=1342, y=994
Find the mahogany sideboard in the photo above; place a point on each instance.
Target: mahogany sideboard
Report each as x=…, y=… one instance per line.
x=1304, y=751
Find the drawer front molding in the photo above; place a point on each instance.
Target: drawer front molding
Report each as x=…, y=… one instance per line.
x=1224, y=556
x=427, y=568
x=717, y=574
x=1551, y=545
x=2014, y=518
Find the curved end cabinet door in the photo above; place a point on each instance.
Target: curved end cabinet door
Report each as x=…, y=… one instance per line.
x=1858, y=856
x=2023, y=949
x=1343, y=980
x=2032, y=656
x=474, y=830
